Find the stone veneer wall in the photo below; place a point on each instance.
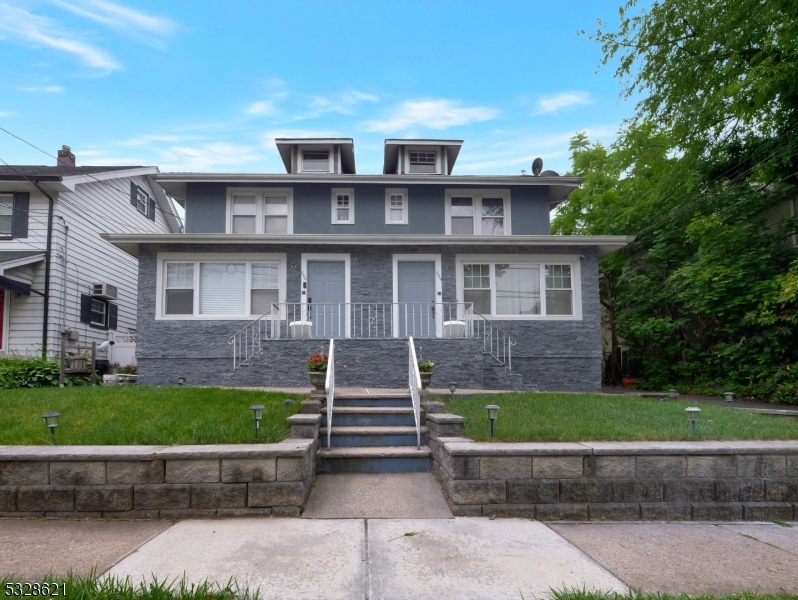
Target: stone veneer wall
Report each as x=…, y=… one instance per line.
x=679, y=481
x=560, y=355
x=155, y=481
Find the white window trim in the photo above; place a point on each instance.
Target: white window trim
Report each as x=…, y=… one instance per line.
x=534, y=259
x=334, y=206
x=106, y=311
x=478, y=195
x=405, y=205
x=436, y=258
x=260, y=193
x=4, y=235
x=303, y=288
x=6, y=322
x=435, y=149
x=248, y=258
x=301, y=158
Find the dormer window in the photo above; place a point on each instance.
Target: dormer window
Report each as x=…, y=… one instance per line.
x=423, y=162
x=315, y=161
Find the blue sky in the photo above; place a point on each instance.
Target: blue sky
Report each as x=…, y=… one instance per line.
x=194, y=85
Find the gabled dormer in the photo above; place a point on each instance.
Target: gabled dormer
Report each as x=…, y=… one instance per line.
x=317, y=155
x=420, y=157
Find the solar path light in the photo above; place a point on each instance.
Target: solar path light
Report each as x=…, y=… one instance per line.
x=181, y=381
x=729, y=396
x=51, y=422
x=673, y=394
x=493, y=412
x=692, y=416
x=452, y=388
x=257, y=412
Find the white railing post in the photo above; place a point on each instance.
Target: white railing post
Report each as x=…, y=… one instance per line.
x=329, y=387
x=414, y=382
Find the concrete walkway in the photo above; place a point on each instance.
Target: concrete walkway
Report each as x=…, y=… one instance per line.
x=436, y=559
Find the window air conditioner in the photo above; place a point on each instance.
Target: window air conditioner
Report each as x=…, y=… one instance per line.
x=105, y=291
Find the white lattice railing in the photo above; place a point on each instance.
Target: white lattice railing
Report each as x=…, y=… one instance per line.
x=329, y=388
x=414, y=382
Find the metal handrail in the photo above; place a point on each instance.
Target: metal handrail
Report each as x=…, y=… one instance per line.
x=329, y=387
x=414, y=382
x=247, y=341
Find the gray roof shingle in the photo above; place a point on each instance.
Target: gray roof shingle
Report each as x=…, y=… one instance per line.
x=22, y=171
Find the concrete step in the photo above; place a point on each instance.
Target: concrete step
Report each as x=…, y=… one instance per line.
x=347, y=437
x=373, y=401
x=375, y=459
x=352, y=416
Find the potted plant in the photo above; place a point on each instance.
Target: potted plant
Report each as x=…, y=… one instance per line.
x=425, y=368
x=317, y=369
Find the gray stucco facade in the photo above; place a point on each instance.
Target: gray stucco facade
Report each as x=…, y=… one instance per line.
x=550, y=354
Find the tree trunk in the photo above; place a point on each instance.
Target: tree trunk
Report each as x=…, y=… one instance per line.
x=613, y=368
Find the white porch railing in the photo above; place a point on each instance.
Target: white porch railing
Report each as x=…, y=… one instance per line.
x=371, y=320
x=329, y=388
x=414, y=382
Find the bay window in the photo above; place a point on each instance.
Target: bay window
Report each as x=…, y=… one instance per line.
x=221, y=286
x=518, y=287
x=477, y=212
x=267, y=211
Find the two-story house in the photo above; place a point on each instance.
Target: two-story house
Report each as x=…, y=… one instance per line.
x=58, y=278
x=464, y=264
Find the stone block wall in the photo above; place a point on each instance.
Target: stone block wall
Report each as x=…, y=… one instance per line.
x=157, y=482
x=650, y=481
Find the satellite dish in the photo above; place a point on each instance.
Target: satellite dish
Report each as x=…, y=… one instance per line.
x=537, y=166
x=549, y=174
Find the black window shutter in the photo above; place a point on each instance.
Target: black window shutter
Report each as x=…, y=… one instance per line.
x=85, y=308
x=113, y=311
x=133, y=195
x=19, y=222
x=151, y=211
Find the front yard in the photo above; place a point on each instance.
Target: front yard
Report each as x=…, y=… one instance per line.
x=552, y=417
x=143, y=415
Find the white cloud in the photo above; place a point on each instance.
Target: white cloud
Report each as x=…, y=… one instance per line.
x=47, y=89
x=127, y=21
x=432, y=114
x=270, y=136
x=150, y=139
x=550, y=104
x=261, y=108
x=4, y=114
x=208, y=157
x=22, y=26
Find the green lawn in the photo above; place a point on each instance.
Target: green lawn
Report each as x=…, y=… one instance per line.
x=549, y=417
x=143, y=415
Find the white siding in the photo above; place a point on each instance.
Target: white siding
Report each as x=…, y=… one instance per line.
x=93, y=208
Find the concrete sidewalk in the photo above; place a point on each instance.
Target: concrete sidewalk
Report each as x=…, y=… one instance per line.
x=436, y=559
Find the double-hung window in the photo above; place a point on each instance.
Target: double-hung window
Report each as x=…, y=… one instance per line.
x=222, y=286
x=520, y=286
x=343, y=206
x=396, y=209
x=6, y=214
x=265, y=211
x=478, y=212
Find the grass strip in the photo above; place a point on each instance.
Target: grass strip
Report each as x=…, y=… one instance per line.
x=584, y=594
x=553, y=417
x=119, y=415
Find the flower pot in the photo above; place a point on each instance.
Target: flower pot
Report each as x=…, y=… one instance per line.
x=628, y=381
x=425, y=379
x=318, y=379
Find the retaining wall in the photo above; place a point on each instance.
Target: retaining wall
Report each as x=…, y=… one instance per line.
x=155, y=481
x=679, y=481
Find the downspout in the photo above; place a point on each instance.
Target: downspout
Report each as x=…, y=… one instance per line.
x=46, y=315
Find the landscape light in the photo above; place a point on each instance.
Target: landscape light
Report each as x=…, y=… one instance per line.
x=452, y=388
x=673, y=394
x=692, y=416
x=493, y=412
x=729, y=396
x=257, y=412
x=51, y=422
x=181, y=381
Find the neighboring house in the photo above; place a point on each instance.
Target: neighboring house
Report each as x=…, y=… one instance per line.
x=90, y=294
x=465, y=264
x=784, y=210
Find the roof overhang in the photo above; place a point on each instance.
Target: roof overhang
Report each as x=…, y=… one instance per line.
x=392, y=151
x=347, y=146
x=19, y=261
x=604, y=243
x=52, y=184
x=175, y=183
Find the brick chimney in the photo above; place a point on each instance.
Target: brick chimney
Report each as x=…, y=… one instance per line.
x=65, y=157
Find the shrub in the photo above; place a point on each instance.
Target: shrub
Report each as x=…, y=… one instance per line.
x=127, y=370
x=33, y=373
x=426, y=366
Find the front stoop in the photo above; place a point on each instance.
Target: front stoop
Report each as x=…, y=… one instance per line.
x=372, y=434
